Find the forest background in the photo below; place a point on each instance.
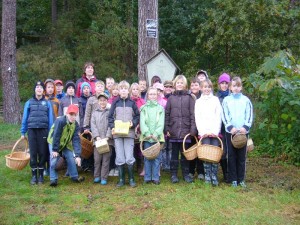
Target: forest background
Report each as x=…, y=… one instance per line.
x=257, y=40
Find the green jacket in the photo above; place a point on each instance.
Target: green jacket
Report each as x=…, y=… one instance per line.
x=152, y=121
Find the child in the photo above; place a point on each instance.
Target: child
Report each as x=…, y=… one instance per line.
x=202, y=75
x=197, y=164
x=237, y=117
x=152, y=125
x=37, y=121
x=64, y=139
x=69, y=99
x=124, y=109
x=59, y=89
x=114, y=93
x=208, y=121
x=87, y=76
x=85, y=94
x=109, y=81
x=160, y=94
x=135, y=95
x=223, y=91
x=180, y=121
x=168, y=88
x=100, y=130
x=143, y=88
x=50, y=94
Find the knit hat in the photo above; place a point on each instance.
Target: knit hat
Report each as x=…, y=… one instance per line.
x=83, y=85
x=58, y=82
x=159, y=86
x=202, y=71
x=39, y=83
x=168, y=83
x=103, y=95
x=70, y=83
x=72, y=109
x=224, y=77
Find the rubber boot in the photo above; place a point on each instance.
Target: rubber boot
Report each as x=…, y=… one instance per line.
x=33, y=180
x=121, y=176
x=41, y=176
x=131, y=176
x=174, y=169
x=214, y=174
x=223, y=163
x=185, y=171
x=207, y=171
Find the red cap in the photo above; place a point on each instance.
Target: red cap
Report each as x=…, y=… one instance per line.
x=58, y=82
x=72, y=109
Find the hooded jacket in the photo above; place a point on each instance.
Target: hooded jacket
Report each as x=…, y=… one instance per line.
x=91, y=82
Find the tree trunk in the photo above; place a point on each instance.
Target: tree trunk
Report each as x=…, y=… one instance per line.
x=147, y=46
x=11, y=99
x=54, y=12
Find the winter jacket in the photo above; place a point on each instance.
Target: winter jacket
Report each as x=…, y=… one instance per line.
x=55, y=104
x=91, y=82
x=180, y=117
x=152, y=121
x=60, y=96
x=64, y=104
x=125, y=110
x=208, y=115
x=112, y=99
x=237, y=112
x=82, y=102
x=99, y=125
x=138, y=101
x=63, y=135
x=37, y=114
x=162, y=101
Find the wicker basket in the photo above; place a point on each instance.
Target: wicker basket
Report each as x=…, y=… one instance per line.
x=18, y=160
x=190, y=153
x=210, y=153
x=239, y=140
x=250, y=145
x=86, y=146
x=153, y=151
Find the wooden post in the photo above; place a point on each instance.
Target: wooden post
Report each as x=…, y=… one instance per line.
x=11, y=99
x=147, y=46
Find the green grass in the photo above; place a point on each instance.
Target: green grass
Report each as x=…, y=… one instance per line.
x=9, y=133
x=272, y=197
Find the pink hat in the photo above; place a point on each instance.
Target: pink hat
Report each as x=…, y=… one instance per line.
x=224, y=77
x=159, y=86
x=72, y=109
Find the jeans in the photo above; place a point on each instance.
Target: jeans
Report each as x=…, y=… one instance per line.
x=71, y=165
x=151, y=166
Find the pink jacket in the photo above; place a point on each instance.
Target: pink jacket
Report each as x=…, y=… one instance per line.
x=138, y=101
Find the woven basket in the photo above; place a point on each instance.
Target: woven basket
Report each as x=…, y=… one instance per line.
x=86, y=146
x=250, y=145
x=153, y=151
x=210, y=153
x=191, y=152
x=18, y=160
x=239, y=140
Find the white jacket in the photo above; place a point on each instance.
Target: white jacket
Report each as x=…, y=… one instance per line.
x=208, y=115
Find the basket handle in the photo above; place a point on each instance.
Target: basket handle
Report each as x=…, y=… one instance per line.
x=17, y=142
x=147, y=138
x=237, y=133
x=214, y=137
x=89, y=132
x=183, y=143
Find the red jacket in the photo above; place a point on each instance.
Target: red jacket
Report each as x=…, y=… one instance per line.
x=92, y=82
x=138, y=101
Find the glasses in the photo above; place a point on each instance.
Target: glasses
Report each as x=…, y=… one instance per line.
x=168, y=87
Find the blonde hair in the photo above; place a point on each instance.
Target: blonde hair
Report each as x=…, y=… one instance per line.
x=99, y=82
x=123, y=84
x=180, y=77
x=115, y=86
x=109, y=78
x=208, y=81
x=150, y=89
x=132, y=86
x=237, y=80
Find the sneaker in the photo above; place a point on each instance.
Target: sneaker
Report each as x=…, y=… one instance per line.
x=46, y=172
x=234, y=184
x=156, y=182
x=201, y=176
x=243, y=184
x=191, y=175
x=53, y=183
x=188, y=179
x=78, y=179
x=111, y=172
x=147, y=181
x=103, y=182
x=97, y=180
x=116, y=173
x=174, y=179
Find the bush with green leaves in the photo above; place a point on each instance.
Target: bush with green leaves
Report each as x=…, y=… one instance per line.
x=276, y=92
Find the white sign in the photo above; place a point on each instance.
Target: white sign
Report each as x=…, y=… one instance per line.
x=151, y=28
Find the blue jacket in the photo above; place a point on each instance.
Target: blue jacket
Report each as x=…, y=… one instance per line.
x=37, y=114
x=237, y=112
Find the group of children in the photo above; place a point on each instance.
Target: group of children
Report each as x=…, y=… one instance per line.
x=165, y=113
